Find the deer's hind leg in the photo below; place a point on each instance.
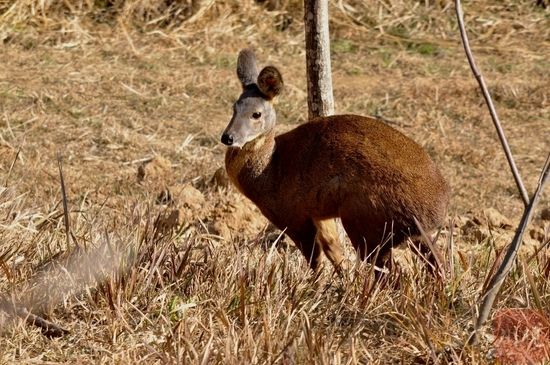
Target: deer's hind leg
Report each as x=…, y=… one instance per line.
x=329, y=239
x=371, y=239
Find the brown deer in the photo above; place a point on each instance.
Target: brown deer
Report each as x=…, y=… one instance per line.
x=377, y=180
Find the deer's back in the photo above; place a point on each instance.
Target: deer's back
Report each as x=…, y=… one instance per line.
x=329, y=161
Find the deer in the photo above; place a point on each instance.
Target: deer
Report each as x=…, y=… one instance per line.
x=382, y=185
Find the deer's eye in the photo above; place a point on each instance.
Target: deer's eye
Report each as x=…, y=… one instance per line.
x=256, y=115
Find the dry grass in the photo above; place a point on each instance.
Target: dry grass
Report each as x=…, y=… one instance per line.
x=109, y=86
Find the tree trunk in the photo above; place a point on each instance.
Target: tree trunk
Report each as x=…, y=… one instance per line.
x=319, y=78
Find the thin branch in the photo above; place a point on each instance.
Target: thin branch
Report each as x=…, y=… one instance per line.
x=530, y=204
x=506, y=266
x=490, y=105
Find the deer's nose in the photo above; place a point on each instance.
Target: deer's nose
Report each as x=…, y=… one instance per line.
x=227, y=139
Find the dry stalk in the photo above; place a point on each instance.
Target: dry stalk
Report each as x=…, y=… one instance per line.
x=64, y=199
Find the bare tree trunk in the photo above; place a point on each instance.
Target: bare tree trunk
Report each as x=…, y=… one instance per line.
x=319, y=78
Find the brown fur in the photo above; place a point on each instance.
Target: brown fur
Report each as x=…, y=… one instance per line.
x=373, y=177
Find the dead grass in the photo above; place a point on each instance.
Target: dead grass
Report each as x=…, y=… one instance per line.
x=112, y=86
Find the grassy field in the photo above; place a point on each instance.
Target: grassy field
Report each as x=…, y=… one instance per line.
x=167, y=263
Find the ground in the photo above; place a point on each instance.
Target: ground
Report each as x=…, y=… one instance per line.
x=167, y=263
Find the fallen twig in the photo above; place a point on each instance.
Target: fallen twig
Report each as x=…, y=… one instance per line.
x=48, y=328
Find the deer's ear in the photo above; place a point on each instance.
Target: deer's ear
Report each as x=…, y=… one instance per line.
x=247, y=68
x=270, y=82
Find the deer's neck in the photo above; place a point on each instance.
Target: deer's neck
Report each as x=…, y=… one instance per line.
x=250, y=168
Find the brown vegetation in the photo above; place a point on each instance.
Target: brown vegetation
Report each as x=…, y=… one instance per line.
x=175, y=266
